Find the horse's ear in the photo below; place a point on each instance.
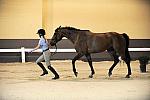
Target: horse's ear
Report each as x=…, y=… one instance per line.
x=60, y=26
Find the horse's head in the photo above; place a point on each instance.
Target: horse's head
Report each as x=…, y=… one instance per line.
x=58, y=35
x=68, y=32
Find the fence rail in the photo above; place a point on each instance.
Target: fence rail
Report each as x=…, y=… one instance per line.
x=23, y=50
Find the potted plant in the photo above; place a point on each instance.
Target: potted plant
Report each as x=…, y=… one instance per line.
x=143, y=60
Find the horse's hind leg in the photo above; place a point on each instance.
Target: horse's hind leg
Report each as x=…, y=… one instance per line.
x=116, y=60
x=127, y=60
x=88, y=56
x=129, y=69
x=79, y=55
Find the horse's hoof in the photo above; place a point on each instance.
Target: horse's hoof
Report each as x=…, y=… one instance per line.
x=109, y=74
x=127, y=76
x=90, y=76
x=76, y=74
x=55, y=78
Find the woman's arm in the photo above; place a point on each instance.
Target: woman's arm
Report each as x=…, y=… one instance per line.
x=37, y=47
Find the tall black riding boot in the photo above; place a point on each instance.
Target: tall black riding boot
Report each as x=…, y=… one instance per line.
x=54, y=72
x=43, y=68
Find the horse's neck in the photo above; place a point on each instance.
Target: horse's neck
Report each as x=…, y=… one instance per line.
x=72, y=37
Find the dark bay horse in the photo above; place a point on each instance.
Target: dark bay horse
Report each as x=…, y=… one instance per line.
x=85, y=42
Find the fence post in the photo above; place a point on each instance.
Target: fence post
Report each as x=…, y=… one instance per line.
x=23, y=54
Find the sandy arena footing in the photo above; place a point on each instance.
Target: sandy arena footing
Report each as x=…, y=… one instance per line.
x=21, y=81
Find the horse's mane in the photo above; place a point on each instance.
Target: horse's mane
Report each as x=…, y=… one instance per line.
x=72, y=28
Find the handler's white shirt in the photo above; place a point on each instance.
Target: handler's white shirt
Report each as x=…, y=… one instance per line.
x=43, y=43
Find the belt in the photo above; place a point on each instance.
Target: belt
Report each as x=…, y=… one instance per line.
x=45, y=49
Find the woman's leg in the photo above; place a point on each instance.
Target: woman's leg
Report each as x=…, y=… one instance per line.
x=38, y=61
x=47, y=61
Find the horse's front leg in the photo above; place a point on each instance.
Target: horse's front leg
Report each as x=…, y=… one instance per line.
x=88, y=56
x=79, y=55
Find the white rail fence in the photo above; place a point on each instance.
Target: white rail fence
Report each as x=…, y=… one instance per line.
x=23, y=50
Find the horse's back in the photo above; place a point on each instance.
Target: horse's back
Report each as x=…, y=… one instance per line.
x=103, y=41
x=98, y=42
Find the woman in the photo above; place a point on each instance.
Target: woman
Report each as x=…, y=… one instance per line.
x=43, y=44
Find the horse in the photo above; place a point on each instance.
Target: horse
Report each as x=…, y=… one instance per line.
x=86, y=42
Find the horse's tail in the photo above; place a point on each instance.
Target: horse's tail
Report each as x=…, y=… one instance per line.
x=127, y=45
x=127, y=39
